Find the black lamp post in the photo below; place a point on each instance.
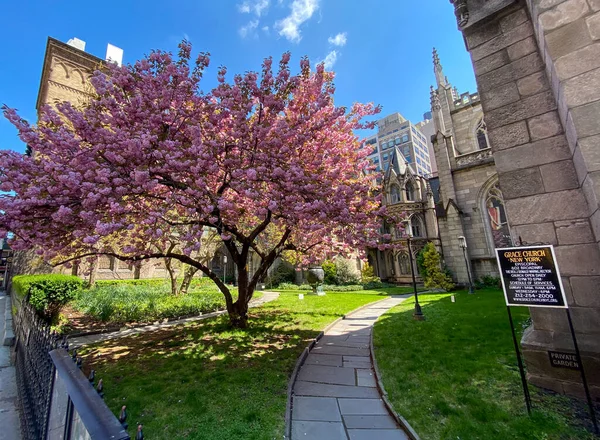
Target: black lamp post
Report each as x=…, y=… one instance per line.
x=462, y=242
x=418, y=315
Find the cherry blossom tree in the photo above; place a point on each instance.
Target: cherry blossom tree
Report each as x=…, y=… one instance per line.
x=267, y=160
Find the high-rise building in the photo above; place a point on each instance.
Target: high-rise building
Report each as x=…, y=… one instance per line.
x=427, y=127
x=398, y=137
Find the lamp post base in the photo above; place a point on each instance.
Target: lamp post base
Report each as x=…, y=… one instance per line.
x=418, y=315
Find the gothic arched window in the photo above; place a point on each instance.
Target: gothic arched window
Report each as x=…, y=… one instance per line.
x=404, y=263
x=481, y=133
x=496, y=217
x=417, y=227
x=410, y=192
x=395, y=194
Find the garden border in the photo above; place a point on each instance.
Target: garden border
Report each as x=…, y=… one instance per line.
x=77, y=341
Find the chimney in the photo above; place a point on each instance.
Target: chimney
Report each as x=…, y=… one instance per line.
x=77, y=43
x=114, y=54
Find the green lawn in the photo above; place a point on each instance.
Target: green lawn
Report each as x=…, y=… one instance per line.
x=206, y=381
x=455, y=375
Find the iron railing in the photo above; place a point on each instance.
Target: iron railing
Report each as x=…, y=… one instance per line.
x=34, y=370
x=56, y=400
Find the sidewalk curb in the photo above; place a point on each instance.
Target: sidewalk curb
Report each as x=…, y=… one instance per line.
x=9, y=335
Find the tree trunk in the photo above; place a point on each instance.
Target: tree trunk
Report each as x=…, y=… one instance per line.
x=172, y=275
x=93, y=272
x=188, y=275
x=238, y=315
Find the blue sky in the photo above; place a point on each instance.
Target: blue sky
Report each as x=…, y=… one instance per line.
x=379, y=49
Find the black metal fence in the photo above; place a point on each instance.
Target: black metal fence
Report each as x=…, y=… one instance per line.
x=35, y=370
x=56, y=400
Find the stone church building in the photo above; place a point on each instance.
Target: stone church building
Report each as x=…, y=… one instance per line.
x=407, y=193
x=469, y=202
x=537, y=66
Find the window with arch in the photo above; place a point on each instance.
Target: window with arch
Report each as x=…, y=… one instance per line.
x=404, y=263
x=417, y=226
x=395, y=194
x=410, y=191
x=496, y=217
x=481, y=134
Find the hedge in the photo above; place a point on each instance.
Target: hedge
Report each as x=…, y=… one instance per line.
x=334, y=288
x=197, y=281
x=47, y=293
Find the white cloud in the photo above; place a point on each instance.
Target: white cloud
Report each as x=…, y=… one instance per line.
x=244, y=31
x=330, y=59
x=302, y=10
x=256, y=6
x=266, y=30
x=339, y=40
x=244, y=8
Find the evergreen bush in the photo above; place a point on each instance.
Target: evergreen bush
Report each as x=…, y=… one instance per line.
x=330, y=272
x=368, y=275
x=436, y=277
x=346, y=272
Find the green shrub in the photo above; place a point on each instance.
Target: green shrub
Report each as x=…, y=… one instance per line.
x=421, y=264
x=284, y=273
x=132, y=282
x=330, y=272
x=196, y=282
x=377, y=285
x=47, y=293
x=488, y=281
x=436, y=277
x=368, y=274
x=346, y=271
x=291, y=286
x=346, y=288
x=120, y=303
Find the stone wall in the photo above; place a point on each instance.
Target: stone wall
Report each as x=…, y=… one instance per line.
x=541, y=99
x=465, y=122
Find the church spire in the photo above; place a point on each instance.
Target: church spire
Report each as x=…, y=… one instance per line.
x=438, y=70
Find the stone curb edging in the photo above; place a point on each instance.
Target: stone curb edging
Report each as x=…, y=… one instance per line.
x=300, y=362
x=384, y=396
x=9, y=335
x=172, y=323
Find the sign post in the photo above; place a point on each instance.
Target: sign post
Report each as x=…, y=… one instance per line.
x=530, y=278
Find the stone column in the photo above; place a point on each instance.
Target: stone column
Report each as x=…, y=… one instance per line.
x=542, y=129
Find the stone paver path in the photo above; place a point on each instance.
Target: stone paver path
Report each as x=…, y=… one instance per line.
x=9, y=416
x=335, y=396
x=85, y=340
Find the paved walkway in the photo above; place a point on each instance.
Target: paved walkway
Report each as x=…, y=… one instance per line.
x=9, y=417
x=335, y=396
x=91, y=339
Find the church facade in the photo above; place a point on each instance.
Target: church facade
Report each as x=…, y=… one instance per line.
x=469, y=201
x=408, y=194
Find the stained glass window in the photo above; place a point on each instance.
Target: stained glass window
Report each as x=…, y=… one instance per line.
x=496, y=214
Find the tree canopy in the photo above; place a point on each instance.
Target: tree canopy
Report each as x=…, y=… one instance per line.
x=267, y=160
